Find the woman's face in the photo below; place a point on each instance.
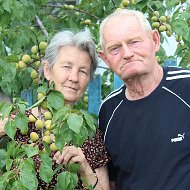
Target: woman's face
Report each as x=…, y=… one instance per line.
x=70, y=73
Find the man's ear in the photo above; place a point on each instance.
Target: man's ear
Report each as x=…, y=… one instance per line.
x=156, y=40
x=46, y=69
x=103, y=57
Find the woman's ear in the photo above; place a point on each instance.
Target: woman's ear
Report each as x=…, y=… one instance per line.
x=46, y=69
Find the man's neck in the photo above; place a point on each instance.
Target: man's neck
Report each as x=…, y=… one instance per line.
x=141, y=86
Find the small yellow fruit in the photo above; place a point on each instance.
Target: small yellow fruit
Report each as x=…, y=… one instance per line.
x=125, y=3
x=26, y=58
x=47, y=115
x=162, y=28
x=158, y=59
x=44, y=105
x=155, y=24
x=77, y=13
x=34, y=49
x=133, y=2
x=32, y=28
x=156, y=13
x=86, y=99
x=40, y=95
x=39, y=124
x=87, y=21
x=121, y=6
x=47, y=133
x=24, y=132
x=53, y=147
x=168, y=33
x=178, y=38
x=32, y=118
x=71, y=7
x=35, y=81
x=48, y=125
x=47, y=139
x=43, y=45
x=34, y=136
x=65, y=6
x=21, y=65
x=168, y=27
x=34, y=74
x=36, y=64
x=163, y=19
x=154, y=18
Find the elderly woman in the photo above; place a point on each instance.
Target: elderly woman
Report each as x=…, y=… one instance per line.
x=70, y=61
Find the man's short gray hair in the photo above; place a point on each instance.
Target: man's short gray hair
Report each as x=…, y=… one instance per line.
x=125, y=12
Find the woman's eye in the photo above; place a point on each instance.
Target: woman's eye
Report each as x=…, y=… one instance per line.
x=67, y=67
x=84, y=72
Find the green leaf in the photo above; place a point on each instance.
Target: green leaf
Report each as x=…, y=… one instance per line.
x=89, y=120
x=55, y=100
x=28, y=174
x=6, y=109
x=21, y=121
x=9, y=163
x=5, y=19
x=7, y=5
x=43, y=89
x=3, y=181
x=31, y=151
x=18, y=10
x=61, y=113
x=74, y=168
x=75, y=122
x=17, y=185
x=67, y=180
x=2, y=158
x=10, y=129
x=45, y=171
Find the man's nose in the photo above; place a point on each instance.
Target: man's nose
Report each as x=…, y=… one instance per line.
x=127, y=52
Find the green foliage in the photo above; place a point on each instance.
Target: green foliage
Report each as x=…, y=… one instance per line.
x=71, y=127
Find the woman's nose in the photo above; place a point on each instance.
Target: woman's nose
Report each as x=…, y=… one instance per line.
x=73, y=75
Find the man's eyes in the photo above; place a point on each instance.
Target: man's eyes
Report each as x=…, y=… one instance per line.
x=134, y=44
x=114, y=50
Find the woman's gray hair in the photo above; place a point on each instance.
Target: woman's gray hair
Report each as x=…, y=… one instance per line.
x=80, y=39
x=125, y=12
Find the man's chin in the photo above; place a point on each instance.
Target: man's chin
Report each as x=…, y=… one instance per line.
x=129, y=75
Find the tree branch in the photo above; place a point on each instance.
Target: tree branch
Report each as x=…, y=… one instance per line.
x=41, y=26
x=113, y=3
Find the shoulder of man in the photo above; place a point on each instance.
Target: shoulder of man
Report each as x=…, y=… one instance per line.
x=108, y=106
x=178, y=82
x=177, y=74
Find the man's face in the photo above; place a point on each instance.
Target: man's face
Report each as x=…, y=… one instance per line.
x=71, y=73
x=128, y=49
